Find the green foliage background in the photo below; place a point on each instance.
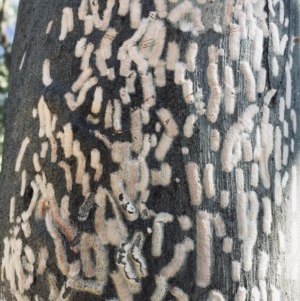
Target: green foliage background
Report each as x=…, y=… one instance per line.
x=8, y=13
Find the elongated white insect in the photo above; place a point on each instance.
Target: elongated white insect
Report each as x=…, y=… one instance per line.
x=185, y=222
x=241, y=212
x=187, y=91
x=130, y=88
x=179, y=258
x=162, y=176
x=91, y=82
x=80, y=47
x=135, y=13
x=179, y=73
x=288, y=89
x=36, y=162
x=67, y=142
x=254, y=177
x=249, y=242
x=185, y=150
x=262, y=265
x=281, y=241
x=277, y=148
x=95, y=163
x=228, y=11
x=107, y=15
x=230, y=93
x=161, y=8
x=44, y=149
x=179, y=11
x=160, y=290
x=160, y=74
x=255, y=294
x=277, y=189
x=12, y=209
x=219, y=225
x=106, y=42
x=263, y=290
x=89, y=244
x=235, y=271
x=268, y=97
x=267, y=148
x=275, y=293
x=82, y=10
x=189, y=125
x=101, y=63
x=169, y=123
x=257, y=49
x=208, y=181
x=60, y=251
x=157, y=49
x=81, y=162
x=23, y=182
x=249, y=79
x=216, y=295
x=203, y=249
x=149, y=93
x=43, y=256
x=261, y=82
x=275, y=66
x=275, y=38
x=22, y=61
x=97, y=101
x=83, y=77
x=214, y=140
x=158, y=232
x=173, y=53
x=179, y=294
x=196, y=21
x=246, y=148
x=85, y=59
x=64, y=207
x=285, y=154
x=292, y=145
x=136, y=130
x=49, y=27
x=21, y=153
x=85, y=183
x=194, y=184
x=224, y=199
x=293, y=116
x=108, y=118
x=117, y=116
x=121, y=286
x=70, y=23
x=242, y=18
x=190, y=57
x=227, y=245
x=47, y=80
x=283, y=44
x=241, y=294
x=234, y=42
x=26, y=228
x=138, y=59
x=67, y=24
x=88, y=24
x=163, y=147
x=123, y=7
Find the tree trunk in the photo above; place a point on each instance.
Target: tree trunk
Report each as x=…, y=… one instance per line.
x=150, y=152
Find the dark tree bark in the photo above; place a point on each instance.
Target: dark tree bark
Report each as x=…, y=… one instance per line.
x=150, y=152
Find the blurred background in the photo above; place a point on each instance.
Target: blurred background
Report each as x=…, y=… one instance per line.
x=8, y=15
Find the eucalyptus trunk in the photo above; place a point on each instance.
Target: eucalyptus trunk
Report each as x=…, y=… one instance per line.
x=150, y=152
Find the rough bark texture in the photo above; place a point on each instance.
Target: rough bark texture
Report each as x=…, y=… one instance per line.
x=149, y=152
